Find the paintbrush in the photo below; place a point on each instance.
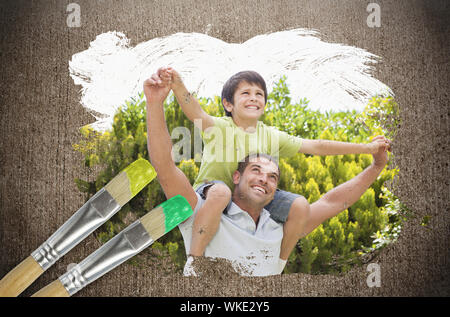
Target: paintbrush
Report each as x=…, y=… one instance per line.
x=96, y=211
x=129, y=242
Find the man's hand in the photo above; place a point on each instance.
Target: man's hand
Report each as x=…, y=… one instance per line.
x=379, y=142
x=157, y=87
x=380, y=158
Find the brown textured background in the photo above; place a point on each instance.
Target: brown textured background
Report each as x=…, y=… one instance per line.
x=40, y=117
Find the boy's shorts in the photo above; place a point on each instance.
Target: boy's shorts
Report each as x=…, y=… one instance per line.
x=278, y=208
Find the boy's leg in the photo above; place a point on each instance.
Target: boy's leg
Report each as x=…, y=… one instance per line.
x=293, y=211
x=207, y=219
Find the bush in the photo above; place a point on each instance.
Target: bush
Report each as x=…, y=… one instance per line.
x=335, y=245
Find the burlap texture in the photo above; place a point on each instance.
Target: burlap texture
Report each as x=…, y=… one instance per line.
x=41, y=116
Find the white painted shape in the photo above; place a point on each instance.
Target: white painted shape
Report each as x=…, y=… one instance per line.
x=332, y=76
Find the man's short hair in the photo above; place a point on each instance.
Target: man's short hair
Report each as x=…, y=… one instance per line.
x=233, y=82
x=242, y=165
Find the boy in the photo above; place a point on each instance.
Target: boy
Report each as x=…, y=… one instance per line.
x=229, y=139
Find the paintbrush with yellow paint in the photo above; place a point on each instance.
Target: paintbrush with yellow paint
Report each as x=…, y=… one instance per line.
x=96, y=211
x=129, y=242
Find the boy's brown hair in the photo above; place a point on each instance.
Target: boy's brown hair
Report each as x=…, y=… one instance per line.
x=233, y=82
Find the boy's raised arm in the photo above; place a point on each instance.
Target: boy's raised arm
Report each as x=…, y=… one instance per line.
x=188, y=103
x=328, y=147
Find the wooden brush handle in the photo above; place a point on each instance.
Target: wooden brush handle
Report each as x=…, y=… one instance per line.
x=19, y=278
x=55, y=289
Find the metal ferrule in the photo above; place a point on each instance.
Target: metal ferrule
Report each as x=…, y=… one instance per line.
x=97, y=210
x=122, y=247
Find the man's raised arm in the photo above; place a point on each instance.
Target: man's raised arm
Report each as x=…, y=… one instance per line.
x=346, y=194
x=171, y=178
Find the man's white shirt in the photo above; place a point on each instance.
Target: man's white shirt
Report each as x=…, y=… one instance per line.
x=253, y=250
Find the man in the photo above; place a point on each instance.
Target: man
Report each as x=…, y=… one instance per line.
x=246, y=235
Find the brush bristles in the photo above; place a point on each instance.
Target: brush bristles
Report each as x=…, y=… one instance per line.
x=130, y=181
x=155, y=223
x=119, y=188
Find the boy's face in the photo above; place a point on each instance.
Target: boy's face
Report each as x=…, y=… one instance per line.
x=249, y=102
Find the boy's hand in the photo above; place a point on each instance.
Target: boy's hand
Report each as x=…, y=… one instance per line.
x=157, y=87
x=381, y=157
x=175, y=77
x=378, y=142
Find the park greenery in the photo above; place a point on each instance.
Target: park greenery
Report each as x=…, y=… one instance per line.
x=353, y=236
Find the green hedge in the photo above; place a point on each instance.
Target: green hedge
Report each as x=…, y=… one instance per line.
x=372, y=222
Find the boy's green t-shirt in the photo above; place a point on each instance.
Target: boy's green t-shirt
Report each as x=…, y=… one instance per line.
x=225, y=144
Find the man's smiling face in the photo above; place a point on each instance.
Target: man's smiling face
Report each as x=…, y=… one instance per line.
x=257, y=184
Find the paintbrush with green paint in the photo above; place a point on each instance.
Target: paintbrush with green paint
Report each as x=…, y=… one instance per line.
x=96, y=211
x=129, y=242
